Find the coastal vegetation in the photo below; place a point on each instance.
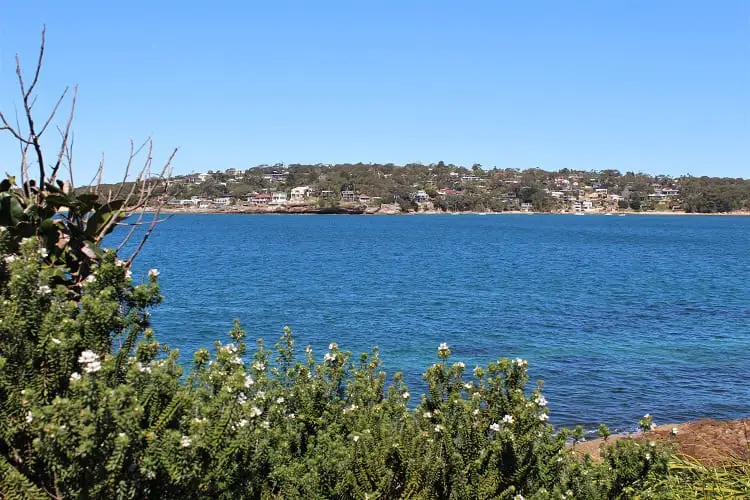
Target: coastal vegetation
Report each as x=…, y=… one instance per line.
x=452, y=188
x=93, y=405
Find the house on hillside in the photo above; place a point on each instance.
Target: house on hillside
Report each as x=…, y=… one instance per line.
x=348, y=196
x=260, y=199
x=420, y=196
x=278, y=198
x=223, y=200
x=300, y=193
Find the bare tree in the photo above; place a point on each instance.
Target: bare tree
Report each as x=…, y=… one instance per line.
x=130, y=201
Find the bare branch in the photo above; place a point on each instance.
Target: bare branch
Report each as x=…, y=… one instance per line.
x=65, y=135
x=133, y=154
x=69, y=158
x=98, y=174
x=38, y=66
x=54, y=111
x=14, y=132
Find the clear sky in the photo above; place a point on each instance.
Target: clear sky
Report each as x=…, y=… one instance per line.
x=659, y=86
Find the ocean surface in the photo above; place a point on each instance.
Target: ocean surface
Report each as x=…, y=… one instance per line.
x=620, y=316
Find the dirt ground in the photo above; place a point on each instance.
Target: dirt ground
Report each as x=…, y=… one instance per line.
x=709, y=441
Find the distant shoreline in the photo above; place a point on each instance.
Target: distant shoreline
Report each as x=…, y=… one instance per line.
x=303, y=210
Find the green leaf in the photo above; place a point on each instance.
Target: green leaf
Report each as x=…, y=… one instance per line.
x=11, y=210
x=101, y=217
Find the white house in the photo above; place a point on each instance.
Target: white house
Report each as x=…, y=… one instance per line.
x=300, y=193
x=224, y=200
x=278, y=198
x=420, y=196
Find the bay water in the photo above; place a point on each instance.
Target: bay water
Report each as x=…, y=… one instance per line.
x=620, y=316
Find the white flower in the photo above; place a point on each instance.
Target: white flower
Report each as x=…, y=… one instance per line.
x=291, y=416
x=185, y=441
x=128, y=274
x=518, y=497
x=241, y=398
x=674, y=431
x=142, y=368
x=405, y=395
x=90, y=279
x=89, y=361
x=460, y=364
x=332, y=346
x=200, y=420
x=56, y=341
x=475, y=412
x=242, y=422
x=92, y=367
x=236, y=360
x=153, y=273
x=647, y=415
x=543, y=417
x=9, y=258
x=280, y=400
x=522, y=363
x=122, y=435
x=443, y=347
x=119, y=263
x=266, y=424
x=43, y=252
x=439, y=428
x=495, y=427
x=255, y=412
x=427, y=414
x=29, y=417
x=648, y=457
x=351, y=408
x=259, y=366
x=248, y=381
x=230, y=348
x=540, y=400
x=355, y=438
x=329, y=357
x=88, y=356
x=468, y=386
x=260, y=395
x=44, y=290
x=75, y=377
x=508, y=419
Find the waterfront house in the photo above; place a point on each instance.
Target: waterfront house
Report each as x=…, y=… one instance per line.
x=364, y=199
x=260, y=199
x=348, y=196
x=420, y=196
x=224, y=200
x=527, y=207
x=327, y=194
x=300, y=193
x=278, y=198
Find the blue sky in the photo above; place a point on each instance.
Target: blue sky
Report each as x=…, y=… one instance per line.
x=659, y=86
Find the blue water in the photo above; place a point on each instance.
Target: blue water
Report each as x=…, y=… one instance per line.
x=619, y=315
